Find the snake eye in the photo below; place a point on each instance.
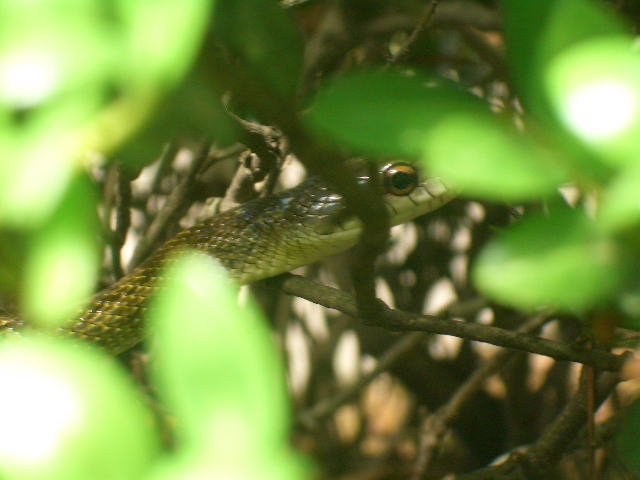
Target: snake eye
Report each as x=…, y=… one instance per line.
x=399, y=178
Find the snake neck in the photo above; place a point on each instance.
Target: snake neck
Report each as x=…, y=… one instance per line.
x=259, y=239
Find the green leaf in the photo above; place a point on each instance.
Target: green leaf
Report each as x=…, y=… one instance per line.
x=627, y=438
x=32, y=181
x=163, y=38
x=537, y=31
x=490, y=162
x=454, y=133
x=266, y=38
x=218, y=370
x=388, y=113
x=74, y=415
x=64, y=258
x=185, y=467
x=620, y=205
x=594, y=88
x=563, y=262
x=78, y=77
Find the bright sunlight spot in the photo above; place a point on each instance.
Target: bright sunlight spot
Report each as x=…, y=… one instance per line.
x=601, y=109
x=595, y=88
x=27, y=78
x=228, y=434
x=39, y=411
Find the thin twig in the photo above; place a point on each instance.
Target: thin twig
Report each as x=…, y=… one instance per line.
x=404, y=321
x=371, y=244
x=427, y=15
x=123, y=220
x=537, y=460
x=448, y=14
x=436, y=425
x=545, y=452
x=267, y=150
x=176, y=204
x=117, y=200
x=310, y=417
x=487, y=52
x=167, y=155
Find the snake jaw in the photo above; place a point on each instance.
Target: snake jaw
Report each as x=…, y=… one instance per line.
x=429, y=195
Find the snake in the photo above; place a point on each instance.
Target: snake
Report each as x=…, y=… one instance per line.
x=258, y=239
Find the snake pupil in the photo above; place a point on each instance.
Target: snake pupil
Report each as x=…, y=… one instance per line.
x=400, y=178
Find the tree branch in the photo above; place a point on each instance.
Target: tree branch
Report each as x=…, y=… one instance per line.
x=398, y=320
x=436, y=425
x=540, y=457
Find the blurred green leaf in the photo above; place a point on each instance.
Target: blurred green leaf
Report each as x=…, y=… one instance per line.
x=563, y=262
x=218, y=371
x=74, y=415
x=490, y=162
x=453, y=132
x=13, y=251
x=629, y=303
x=537, y=31
x=266, y=38
x=78, y=77
x=191, y=111
x=389, y=113
x=198, y=468
x=627, y=438
x=164, y=37
x=64, y=257
x=620, y=206
x=595, y=90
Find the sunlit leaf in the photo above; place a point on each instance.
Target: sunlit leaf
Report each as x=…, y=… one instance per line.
x=455, y=135
x=217, y=368
x=595, y=90
x=32, y=181
x=620, y=205
x=185, y=467
x=490, y=162
x=537, y=31
x=389, y=113
x=77, y=77
x=263, y=35
x=562, y=261
x=163, y=37
x=64, y=258
x=73, y=415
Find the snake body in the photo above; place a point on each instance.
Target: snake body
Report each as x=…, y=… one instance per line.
x=259, y=239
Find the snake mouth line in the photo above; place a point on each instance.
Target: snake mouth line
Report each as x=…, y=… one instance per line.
x=426, y=197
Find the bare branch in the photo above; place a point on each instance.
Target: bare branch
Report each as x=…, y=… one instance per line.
x=397, y=320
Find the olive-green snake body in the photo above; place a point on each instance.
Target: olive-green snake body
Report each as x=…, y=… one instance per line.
x=259, y=239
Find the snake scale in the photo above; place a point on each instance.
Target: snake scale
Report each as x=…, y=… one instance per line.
x=258, y=239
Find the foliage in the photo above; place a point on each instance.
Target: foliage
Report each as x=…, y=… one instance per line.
x=457, y=139
x=580, y=82
x=83, y=76
x=104, y=66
